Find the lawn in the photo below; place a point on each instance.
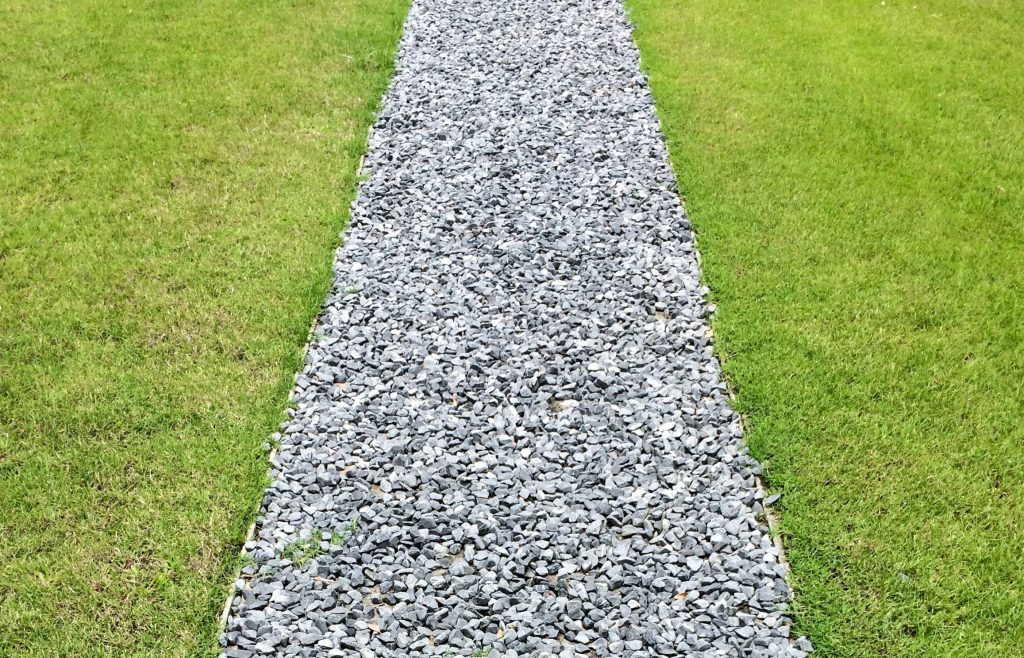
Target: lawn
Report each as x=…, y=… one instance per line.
x=855, y=172
x=173, y=178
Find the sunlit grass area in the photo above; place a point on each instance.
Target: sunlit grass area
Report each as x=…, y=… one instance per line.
x=855, y=171
x=173, y=179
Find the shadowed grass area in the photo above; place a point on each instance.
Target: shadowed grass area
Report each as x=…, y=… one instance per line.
x=855, y=171
x=173, y=177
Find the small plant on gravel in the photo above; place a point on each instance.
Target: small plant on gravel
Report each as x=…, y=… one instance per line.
x=302, y=551
x=339, y=538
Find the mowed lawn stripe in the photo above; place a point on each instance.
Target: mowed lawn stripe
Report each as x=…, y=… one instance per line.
x=173, y=179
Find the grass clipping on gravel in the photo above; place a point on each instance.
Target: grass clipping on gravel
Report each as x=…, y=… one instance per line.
x=173, y=177
x=855, y=172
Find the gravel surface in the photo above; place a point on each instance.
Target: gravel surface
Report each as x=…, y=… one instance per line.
x=511, y=437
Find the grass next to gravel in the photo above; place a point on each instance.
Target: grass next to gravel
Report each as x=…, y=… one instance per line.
x=855, y=171
x=173, y=177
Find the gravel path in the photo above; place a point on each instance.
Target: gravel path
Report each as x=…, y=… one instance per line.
x=511, y=436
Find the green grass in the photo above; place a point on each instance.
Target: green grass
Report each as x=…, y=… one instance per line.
x=301, y=551
x=173, y=177
x=855, y=172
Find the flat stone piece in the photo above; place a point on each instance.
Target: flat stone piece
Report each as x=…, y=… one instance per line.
x=511, y=437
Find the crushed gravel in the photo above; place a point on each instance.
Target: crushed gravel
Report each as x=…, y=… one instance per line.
x=511, y=437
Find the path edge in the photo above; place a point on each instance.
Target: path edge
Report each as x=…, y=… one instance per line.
x=771, y=516
x=361, y=173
